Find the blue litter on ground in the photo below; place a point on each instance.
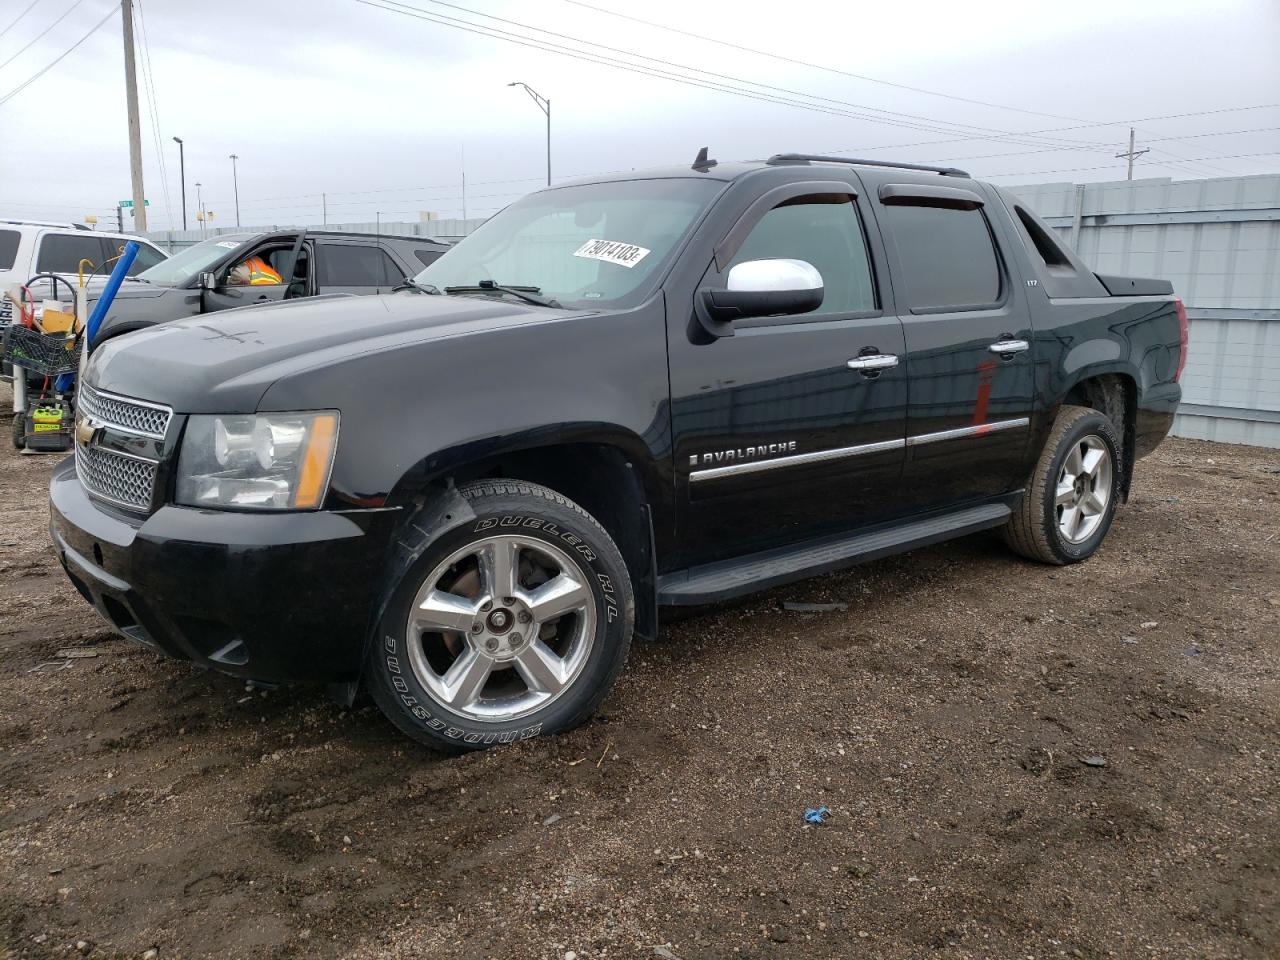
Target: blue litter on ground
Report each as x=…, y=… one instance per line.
x=818, y=815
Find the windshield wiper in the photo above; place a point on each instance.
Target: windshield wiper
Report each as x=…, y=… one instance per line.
x=527, y=294
x=412, y=284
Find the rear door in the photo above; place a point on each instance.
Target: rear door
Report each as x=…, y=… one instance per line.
x=776, y=438
x=969, y=343
x=349, y=266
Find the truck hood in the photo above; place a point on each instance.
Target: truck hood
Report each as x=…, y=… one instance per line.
x=224, y=363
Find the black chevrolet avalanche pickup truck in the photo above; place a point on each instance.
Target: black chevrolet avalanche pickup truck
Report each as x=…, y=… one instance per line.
x=620, y=395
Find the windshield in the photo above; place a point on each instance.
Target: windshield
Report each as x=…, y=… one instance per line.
x=184, y=265
x=593, y=245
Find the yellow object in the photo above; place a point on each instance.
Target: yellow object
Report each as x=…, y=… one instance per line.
x=46, y=419
x=316, y=460
x=57, y=321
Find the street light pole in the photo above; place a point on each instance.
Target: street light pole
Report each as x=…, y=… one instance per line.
x=235, y=182
x=545, y=106
x=182, y=175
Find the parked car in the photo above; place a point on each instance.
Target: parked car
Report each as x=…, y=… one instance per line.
x=29, y=247
x=619, y=395
x=196, y=280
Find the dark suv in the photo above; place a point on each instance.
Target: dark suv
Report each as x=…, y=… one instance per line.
x=650, y=390
x=195, y=280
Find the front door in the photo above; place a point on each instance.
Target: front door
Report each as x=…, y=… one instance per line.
x=969, y=346
x=776, y=438
x=280, y=254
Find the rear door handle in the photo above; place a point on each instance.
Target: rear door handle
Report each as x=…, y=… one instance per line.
x=1007, y=348
x=875, y=361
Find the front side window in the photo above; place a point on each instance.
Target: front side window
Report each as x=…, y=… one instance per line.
x=825, y=232
x=591, y=245
x=947, y=256
x=62, y=252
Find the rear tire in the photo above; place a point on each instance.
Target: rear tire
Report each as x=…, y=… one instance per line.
x=19, y=431
x=1072, y=493
x=514, y=624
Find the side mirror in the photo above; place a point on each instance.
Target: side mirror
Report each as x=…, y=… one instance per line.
x=760, y=288
x=208, y=281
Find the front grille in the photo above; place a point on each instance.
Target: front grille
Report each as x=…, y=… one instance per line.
x=115, y=477
x=134, y=416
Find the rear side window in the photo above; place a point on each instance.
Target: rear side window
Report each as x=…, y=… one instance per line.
x=147, y=257
x=824, y=231
x=62, y=253
x=8, y=248
x=349, y=265
x=947, y=256
x=427, y=257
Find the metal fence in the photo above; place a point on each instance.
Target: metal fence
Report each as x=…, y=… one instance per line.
x=1218, y=241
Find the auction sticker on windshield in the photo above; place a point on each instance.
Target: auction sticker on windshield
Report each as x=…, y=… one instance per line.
x=612, y=251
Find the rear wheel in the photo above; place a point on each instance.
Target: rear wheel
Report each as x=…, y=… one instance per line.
x=1072, y=493
x=19, y=430
x=513, y=625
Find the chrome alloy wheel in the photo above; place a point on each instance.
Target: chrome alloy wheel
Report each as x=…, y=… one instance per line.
x=1084, y=489
x=501, y=627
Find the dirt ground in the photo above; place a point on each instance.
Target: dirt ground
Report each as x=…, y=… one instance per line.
x=943, y=717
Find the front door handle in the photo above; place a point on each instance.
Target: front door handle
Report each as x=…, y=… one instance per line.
x=875, y=361
x=1007, y=348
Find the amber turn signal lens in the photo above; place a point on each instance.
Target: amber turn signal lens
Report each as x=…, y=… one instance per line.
x=317, y=461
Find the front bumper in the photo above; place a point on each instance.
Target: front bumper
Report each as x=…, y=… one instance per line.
x=276, y=597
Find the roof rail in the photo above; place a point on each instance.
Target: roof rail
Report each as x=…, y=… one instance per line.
x=780, y=158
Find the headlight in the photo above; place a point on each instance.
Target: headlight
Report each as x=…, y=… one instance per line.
x=269, y=461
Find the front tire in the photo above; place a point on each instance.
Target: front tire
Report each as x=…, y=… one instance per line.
x=514, y=624
x=1072, y=493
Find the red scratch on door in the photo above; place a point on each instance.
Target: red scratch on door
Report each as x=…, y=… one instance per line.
x=986, y=373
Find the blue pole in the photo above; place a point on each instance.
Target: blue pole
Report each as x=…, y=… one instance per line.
x=100, y=308
x=109, y=293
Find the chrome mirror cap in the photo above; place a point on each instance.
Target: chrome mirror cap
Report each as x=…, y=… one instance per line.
x=773, y=276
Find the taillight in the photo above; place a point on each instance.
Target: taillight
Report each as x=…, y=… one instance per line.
x=1182, y=337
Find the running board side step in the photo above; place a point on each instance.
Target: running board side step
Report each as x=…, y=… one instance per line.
x=724, y=580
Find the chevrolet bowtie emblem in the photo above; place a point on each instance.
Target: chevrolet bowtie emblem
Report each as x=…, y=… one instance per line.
x=86, y=427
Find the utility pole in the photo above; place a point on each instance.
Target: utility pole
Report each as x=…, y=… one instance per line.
x=235, y=182
x=182, y=175
x=324, y=209
x=135, y=129
x=1131, y=155
x=200, y=208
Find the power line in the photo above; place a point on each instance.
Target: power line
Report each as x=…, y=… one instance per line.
x=819, y=66
x=833, y=70
x=404, y=9
x=66, y=53
x=14, y=22
x=36, y=39
x=629, y=53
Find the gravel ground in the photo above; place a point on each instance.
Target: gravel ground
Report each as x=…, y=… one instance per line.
x=1020, y=762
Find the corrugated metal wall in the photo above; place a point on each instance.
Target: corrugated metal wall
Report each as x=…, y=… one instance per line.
x=1218, y=241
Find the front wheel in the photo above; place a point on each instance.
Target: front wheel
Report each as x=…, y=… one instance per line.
x=512, y=625
x=1072, y=492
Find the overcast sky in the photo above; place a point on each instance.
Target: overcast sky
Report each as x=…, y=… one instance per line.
x=378, y=109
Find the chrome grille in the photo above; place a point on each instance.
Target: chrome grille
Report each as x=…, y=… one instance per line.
x=133, y=416
x=112, y=476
